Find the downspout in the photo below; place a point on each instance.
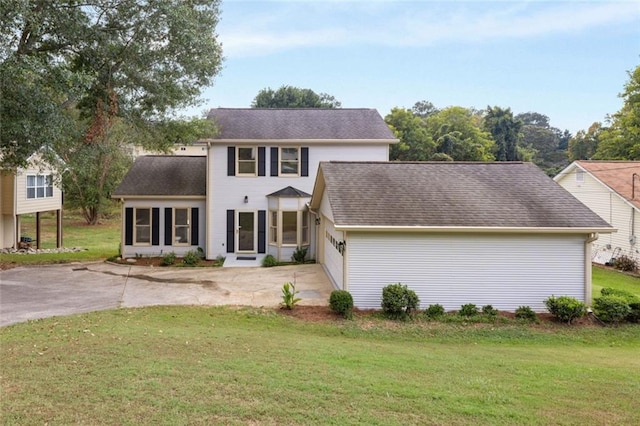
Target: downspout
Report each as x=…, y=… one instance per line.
x=123, y=227
x=587, y=267
x=207, y=201
x=316, y=223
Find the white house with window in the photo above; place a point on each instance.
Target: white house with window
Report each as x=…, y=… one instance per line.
x=30, y=190
x=248, y=197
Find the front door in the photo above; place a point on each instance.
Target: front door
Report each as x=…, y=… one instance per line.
x=246, y=232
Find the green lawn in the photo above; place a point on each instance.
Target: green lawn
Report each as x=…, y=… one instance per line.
x=188, y=365
x=609, y=278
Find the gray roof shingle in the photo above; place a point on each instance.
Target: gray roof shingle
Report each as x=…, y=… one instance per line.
x=450, y=194
x=300, y=124
x=165, y=175
x=290, y=191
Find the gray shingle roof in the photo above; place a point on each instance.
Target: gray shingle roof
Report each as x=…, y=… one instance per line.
x=300, y=124
x=290, y=191
x=165, y=175
x=449, y=194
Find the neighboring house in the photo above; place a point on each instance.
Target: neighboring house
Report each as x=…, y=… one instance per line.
x=27, y=191
x=163, y=205
x=262, y=167
x=255, y=185
x=612, y=190
x=498, y=233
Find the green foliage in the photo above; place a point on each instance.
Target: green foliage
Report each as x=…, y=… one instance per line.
x=584, y=145
x=293, y=97
x=341, y=302
x=269, y=261
x=546, y=145
x=611, y=308
x=457, y=132
x=625, y=263
x=300, y=254
x=505, y=130
x=632, y=300
x=468, y=310
x=526, y=313
x=398, y=301
x=489, y=311
x=289, y=298
x=192, y=258
x=565, y=308
x=169, y=259
x=416, y=144
x=434, y=311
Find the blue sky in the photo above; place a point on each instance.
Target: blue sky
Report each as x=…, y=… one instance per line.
x=565, y=59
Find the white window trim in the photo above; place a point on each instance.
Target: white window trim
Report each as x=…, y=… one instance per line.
x=174, y=226
x=579, y=175
x=135, y=226
x=48, y=183
x=280, y=161
x=255, y=161
x=300, y=242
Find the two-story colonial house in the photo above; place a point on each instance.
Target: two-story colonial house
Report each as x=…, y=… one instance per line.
x=249, y=196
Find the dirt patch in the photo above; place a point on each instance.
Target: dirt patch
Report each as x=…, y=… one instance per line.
x=158, y=261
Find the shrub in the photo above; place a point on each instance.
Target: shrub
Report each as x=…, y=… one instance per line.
x=289, y=298
x=299, y=254
x=632, y=300
x=468, y=310
x=269, y=261
x=565, y=308
x=611, y=308
x=489, y=311
x=191, y=258
x=341, y=302
x=434, y=311
x=398, y=301
x=625, y=263
x=169, y=259
x=526, y=313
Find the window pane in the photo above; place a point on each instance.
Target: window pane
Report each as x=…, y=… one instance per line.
x=182, y=235
x=31, y=180
x=288, y=168
x=289, y=227
x=31, y=193
x=247, y=167
x=143, y=217
x=49, y=191
x=40, y=192
x=246, y=154
x=182, y=217
x=289, y=154
x=40, y=180
x=143, y=234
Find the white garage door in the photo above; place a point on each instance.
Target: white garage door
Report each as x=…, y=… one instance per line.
x=333, y=260
x=503, y=271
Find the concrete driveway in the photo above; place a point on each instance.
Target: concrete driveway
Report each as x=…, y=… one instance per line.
x=44, y=291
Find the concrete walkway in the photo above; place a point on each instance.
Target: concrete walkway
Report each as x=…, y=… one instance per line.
x=45, y=291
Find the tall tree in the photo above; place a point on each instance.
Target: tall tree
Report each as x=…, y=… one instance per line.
x=423, y=109
x=546, y=142
x=505, y=130
x=416, y=144
x=621, y=140
x=584, y=144
x=98, y=65
x=293, y=97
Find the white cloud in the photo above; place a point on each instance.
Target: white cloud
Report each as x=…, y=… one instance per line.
x=253, y=29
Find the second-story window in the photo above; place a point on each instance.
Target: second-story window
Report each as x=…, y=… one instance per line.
x=289, y=161
x=246, y=161
x=39, y=186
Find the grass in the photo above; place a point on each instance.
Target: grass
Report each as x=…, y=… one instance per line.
x=100, y=241
x=190, y=365
x=603, y=277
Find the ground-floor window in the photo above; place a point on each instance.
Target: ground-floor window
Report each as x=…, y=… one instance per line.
x=288, y=228
x=142, y=220
x=181, y=226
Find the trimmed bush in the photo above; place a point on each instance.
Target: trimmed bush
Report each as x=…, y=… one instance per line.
x=566, y=308
x=341, y=302
x=468, y=310
x=300, y=254
x=169, y=259
x=489, y=311
x=526, y=313
x=434, y=311
x=398, y=301
x=192, y=258
x=611, y=308
x=269, y=261
x=625, y=263
x=632, y=300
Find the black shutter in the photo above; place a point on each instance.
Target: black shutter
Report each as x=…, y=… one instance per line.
x=194, y=226
x=262, y=231
x=128, y=226
x=230, y=230
x=155, y=226
x=304, y=164
x=231, y=161
x=261, y=160
x=168, y=226
x=274, y=161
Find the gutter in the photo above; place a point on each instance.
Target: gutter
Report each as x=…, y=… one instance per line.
x=476, y=229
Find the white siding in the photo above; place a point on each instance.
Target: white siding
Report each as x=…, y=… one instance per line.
x=228, y=192
x=505, y=271
x=332, y=260
x=33, y=205
x=159, y=250
x=611, y=207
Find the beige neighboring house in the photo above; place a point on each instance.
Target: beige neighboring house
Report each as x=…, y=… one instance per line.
x=28, y=191
x=612, y=190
